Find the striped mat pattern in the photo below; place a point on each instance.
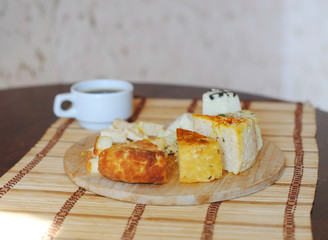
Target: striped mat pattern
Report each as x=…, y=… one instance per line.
x=38, y=201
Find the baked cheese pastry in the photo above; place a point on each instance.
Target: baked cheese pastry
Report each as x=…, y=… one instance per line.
x=236, y=137
x=135, y=162
x=199, y=157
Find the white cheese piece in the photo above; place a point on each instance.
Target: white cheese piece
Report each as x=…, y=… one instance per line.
x=102, y=142
x=122, y=124
x=169, y=136
x=150, y=129
x=159, y=142
x=251, y=115
x=185, y=121
x=131, y=130
x=216, y=102
x=119, y=136
x=92, y=165
x=134, y=134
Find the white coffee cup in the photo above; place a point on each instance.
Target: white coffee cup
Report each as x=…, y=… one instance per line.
x=96, y=103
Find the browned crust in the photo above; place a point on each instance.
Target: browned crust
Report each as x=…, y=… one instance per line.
x=136, y=162
x=190, y=137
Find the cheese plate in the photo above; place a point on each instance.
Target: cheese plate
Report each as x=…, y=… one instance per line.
x=267, y=169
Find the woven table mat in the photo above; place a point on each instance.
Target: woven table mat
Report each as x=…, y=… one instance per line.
x=38, y=200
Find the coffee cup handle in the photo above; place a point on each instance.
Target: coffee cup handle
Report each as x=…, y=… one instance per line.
x=59, y=111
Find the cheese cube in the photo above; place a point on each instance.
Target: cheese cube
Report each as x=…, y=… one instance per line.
x=134, y=134
x=199, y=157
x=102, y=142
x=92, y=165
x=130, y=129
x=122, y=124
x=150, y=129
x=159, y=142
x=169, y=136
x=216, y=102
x=118, y=136
x=185, y=121
x=236, y=137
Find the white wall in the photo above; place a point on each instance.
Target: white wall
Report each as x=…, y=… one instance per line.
x=305, y=52
x=274, y=48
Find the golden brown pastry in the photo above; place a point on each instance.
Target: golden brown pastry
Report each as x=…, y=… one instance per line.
x=199, y=157
x=135, y=162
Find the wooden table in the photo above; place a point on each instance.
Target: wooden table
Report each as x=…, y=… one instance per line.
x=26, y=113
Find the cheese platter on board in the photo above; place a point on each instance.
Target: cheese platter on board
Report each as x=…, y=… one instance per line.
x=267, y=169
x=196, y=159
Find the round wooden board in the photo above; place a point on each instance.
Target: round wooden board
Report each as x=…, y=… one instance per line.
x=267, y=170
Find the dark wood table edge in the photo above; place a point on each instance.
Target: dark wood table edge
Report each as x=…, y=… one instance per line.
x=12, y=151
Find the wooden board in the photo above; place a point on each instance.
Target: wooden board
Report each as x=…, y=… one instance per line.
x=267, y=170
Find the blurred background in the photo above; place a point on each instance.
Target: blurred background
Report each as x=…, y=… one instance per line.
x=273, y=48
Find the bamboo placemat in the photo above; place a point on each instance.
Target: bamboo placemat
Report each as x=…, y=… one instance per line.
x=38, y=201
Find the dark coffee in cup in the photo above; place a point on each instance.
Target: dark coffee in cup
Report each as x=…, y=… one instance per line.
x=103, y=90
